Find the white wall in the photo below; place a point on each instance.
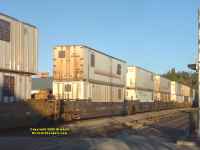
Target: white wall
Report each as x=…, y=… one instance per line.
x=22, y=87
x=20, y=53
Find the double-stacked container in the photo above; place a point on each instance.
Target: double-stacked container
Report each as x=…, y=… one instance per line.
x=139, y=85
x=162, y=88
x=83, y=73
x=18, y=59
x=176, y=93
x=185, y=92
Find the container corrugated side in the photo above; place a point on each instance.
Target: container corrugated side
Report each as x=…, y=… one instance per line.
x=22, y=87
x=76, y=66
x=80, y=90
x=141, y=95
x=105, y=68
x=20, y=53
x=162, y=84
x=68, y=63
x=185, y=90
x=139, y=79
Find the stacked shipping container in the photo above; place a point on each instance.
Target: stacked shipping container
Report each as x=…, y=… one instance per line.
x=181, y=93
x=18, y=59
x=139, y=84
x=162, y=88
x=83, y=73
x=80, y=72
x=175, y=91
x=185, y=92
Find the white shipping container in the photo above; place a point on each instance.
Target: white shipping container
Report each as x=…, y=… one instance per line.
x=18, y=59
x=193, y=94
x=179, y=99
x=139, y=84
x=176, y=91
x=162, y=88
x=161, y=96
x=90, y=68
x=162, y=84
x=79, y=62
x=185, y=90
x=174, y=88
x=81, y=90
x=141, y=95
x=18, y=89
x=139, y=78
x=18, y=45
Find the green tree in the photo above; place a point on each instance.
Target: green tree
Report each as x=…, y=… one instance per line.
x=187, y=78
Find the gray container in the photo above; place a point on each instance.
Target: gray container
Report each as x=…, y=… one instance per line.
x=18, y=45
x=18, y=59
x=22, y=87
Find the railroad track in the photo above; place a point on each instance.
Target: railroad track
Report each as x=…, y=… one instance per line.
x=170, y=118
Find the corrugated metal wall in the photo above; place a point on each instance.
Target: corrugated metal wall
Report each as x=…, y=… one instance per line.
x=80, y=90
x=185, y=90
x=105, y=68
x=18, y=59
x=68, y=63
x=104, y=80
x=19, y=53
x=22, y=87
x=162, y=88
x=180, y=92
x=139, y=78
x=141, y=95
x=162, y=84
x=139, y=84
x=75, y=64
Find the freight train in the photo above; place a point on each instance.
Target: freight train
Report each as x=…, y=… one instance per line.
x=84, y=73
x=87, y=83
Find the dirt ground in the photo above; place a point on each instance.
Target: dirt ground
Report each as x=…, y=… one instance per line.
x=166, y=130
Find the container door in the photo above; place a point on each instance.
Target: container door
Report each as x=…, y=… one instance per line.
x=68, y=91
x=8, y=88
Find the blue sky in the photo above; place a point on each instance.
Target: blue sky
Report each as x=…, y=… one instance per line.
x=154, y=34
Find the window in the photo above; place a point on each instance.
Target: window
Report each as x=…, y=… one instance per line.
x=119, y=69
x=4, y=30
x=8, y=86
x=119, y=93
x=61, y=54
x=68, y=88
x=92, y=60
